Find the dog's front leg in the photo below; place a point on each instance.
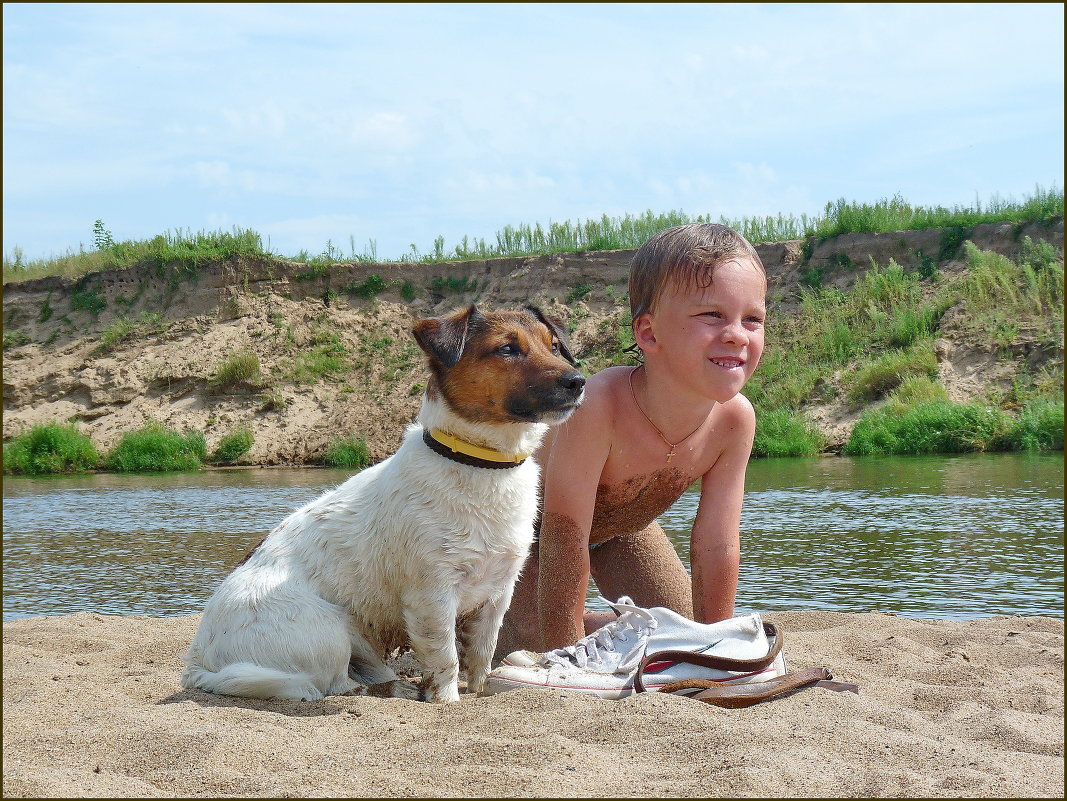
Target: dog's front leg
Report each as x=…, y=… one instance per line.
x=477, y=636
x=431, y=625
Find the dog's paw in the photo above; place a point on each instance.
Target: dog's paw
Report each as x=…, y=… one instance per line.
x=477, y=685
x=396, y=689
x=443, y=695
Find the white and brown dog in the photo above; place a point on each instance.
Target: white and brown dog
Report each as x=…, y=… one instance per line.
x=423, y=548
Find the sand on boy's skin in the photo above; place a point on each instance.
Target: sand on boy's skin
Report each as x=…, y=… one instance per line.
x=92, y=707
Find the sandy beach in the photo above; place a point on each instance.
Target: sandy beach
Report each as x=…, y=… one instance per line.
x=92, y=707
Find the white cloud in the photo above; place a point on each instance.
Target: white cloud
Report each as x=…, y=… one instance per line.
x=266, y=120
x=384, y=130
x=213, y=174
x=754, y=173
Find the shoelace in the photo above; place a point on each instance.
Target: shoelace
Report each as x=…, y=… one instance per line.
x=588, y=649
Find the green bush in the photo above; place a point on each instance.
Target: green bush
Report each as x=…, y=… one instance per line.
x=272, y=401
x=50, y=448
x=367, y=289
x=783, y=381
x=237, y=368
x=327, y=360
x=889, y=371
x=156, y=448
x=14, y=339
x=909, y=324
x=1032, y=285
x=1039, y=427
x=925, y=428
x=918, y=389
x=351, y=452
x=119, y=330
x=233, y=446
x=84, y=298
x=783, y=433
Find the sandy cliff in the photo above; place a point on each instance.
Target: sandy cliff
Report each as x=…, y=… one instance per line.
x=118, y=348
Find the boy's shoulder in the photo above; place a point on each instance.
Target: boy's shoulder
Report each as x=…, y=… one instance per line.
x=735, y=420
x=738, y=409
x=605, y=386
x=603, y=394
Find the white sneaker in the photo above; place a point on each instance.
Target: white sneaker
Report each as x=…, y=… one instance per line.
x=605, y=662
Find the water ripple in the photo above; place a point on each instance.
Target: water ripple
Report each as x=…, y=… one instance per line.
x=923, y=537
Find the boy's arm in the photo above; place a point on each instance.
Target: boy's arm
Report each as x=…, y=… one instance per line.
x=715, y=545
x=571, y=476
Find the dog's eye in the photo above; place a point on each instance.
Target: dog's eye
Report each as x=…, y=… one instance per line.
x=555, y=347
x=508, y=350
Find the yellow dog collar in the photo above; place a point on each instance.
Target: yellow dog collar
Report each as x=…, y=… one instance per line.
x=457, y=445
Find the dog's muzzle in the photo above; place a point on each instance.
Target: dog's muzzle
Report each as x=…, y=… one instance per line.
x=550, y=402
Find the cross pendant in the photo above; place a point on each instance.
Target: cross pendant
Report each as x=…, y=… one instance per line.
x=671, y=455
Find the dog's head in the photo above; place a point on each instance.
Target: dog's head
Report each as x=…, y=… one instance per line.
x=501, y=366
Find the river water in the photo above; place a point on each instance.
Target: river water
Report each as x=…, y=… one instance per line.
x=928, y=537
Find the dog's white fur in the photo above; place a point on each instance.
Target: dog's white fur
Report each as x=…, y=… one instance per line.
x=417, y=549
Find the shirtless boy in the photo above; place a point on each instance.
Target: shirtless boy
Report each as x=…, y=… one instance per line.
x=642, y=436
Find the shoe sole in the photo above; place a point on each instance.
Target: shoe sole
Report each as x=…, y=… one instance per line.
x=494, y=686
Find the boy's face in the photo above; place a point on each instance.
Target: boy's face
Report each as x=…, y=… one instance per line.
x=710, y=337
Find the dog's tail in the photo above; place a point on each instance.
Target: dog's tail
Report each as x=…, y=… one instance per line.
x=247, y=680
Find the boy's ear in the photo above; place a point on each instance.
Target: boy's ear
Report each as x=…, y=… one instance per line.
x=443, y=338
x=644, y=331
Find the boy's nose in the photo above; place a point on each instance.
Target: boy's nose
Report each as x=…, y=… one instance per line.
x=735, y=332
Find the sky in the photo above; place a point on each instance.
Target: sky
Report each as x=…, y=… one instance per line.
x=398, y=123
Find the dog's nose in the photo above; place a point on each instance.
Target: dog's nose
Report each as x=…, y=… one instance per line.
x=572, y=381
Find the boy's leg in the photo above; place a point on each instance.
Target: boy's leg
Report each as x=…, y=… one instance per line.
x=645, y=566
x=521, y=628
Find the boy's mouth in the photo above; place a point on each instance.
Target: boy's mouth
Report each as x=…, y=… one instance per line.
x=729, y=362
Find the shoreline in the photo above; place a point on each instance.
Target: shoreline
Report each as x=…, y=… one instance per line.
x=947, y=708
x=311, y=466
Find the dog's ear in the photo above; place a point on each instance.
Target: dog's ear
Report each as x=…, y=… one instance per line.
x=443, y=338
x=558, y=329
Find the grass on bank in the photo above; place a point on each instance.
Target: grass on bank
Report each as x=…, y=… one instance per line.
x=943, y=427
x=184, y=250
x=157, y=449
x=178, y=250
x=780, y=432
x=50, y=448
x=876, y=342
x=236, y=369
x=350, y=452
x=233, y=446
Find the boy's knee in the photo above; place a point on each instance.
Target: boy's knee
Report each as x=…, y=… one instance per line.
x=644, y=565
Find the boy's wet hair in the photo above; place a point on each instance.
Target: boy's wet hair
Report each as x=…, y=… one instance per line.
x=685, y=255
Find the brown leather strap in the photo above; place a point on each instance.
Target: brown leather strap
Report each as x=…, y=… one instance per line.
x=738, y=696
x=713, y=661
x=838, y=686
